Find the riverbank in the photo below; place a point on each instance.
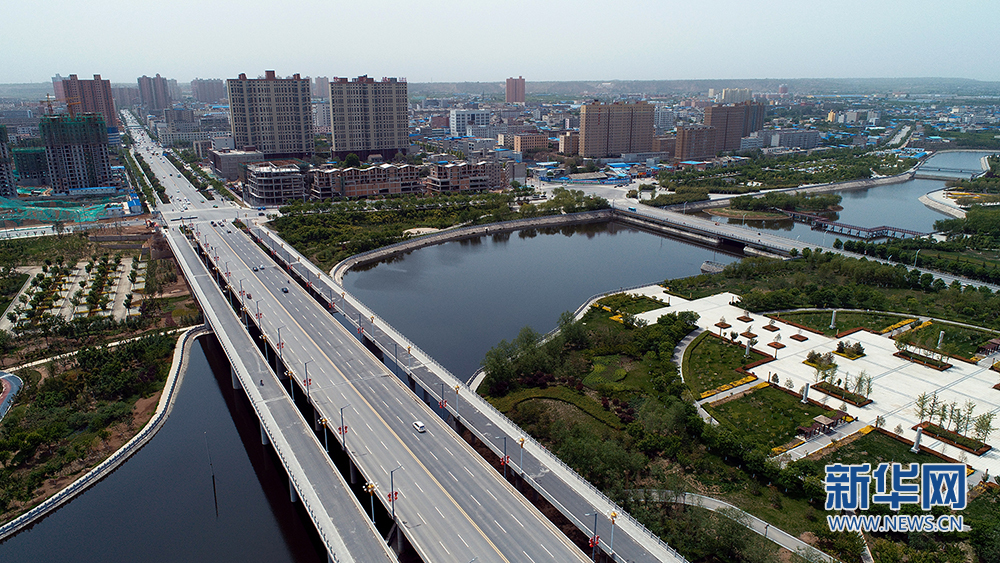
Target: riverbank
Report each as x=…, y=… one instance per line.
x=58, y=497
x=447, y=235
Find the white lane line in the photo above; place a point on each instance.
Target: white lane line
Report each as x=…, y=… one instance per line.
x=528, y=556
x=434, y=456
x=384, y=446
x=499, y=526
x=475, y=499
x=491, y=494
x=439, y=512
x=453, y=476
x=467, y=471
x=463, y=540
x=445, y=548
x=547, y=551
x=419, y=487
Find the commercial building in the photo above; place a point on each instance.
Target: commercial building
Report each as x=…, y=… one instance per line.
x=384, y=179
x=694, y=142
x=613, y=129
x=91, y=96
x=8, y=187
x=272, y=114
x=460, y=119
x=208, y=90
x=735, y=95
x=154, y=94
x=76, y=150
x=799, y=138
x=733, y=122
x=273, y=183
x=369, y=117
x=515, y=90
x=466, y=176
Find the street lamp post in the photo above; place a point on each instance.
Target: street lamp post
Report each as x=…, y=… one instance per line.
x=307, y=381
x=371, y=488
x=444, y=402
x=392, y=492
x=343, y=428
x=506, y=458
x=594, y=541
x=326, y=440
x=611, y=544
x=456, y=401
x=520, y=462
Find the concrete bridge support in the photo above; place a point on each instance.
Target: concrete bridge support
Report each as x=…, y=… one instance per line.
x=264, y=441
x=292, y=493
x=236, y=380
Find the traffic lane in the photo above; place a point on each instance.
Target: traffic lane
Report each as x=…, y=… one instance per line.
x=304, y=347
x=394, y=391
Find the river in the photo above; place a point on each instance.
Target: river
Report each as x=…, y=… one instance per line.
x=455, y=301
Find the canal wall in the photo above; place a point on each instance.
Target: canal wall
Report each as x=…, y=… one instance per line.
x=338, y=271
x=807, y=189
x=163, y=408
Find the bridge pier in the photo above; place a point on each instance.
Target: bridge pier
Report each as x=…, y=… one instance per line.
x=292, y=493
x=354, y=471
x=236, y=380
x=264, y=441
x=396, y=540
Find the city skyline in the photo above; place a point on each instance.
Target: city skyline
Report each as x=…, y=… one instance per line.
x=639, y=40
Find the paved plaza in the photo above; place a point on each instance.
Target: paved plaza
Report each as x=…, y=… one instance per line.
x=896, y=382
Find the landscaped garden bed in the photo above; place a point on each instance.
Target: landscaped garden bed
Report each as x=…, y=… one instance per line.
x=842, y=394
x=923, y=360
x=819, y=321
x=970, y=445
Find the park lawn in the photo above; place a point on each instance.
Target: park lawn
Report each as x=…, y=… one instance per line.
x=846, y=320
x=963, y=341
x=988, y=259
x=629, y=304
x=875, y=448
x=710, y=362
x=9, y=288
x=587, y=405
x=767, y=416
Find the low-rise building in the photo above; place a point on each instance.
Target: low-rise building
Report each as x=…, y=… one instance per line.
x=273, y=183
x=385, y=179
x=524, y=143
x=466, y=176
x=569, y=143
x=229, y=164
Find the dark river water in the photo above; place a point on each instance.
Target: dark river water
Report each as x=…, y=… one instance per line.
x=455, y=301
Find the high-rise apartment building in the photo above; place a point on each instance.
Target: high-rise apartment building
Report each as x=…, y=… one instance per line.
x=8, y=187
x=733, y=122
x=57, y=85
x=614, y=129
x=695, y=142
x=459, y=120
x=272, y=114
x=76, y=148
x=153, y=92
x=321, y=87
x=664, y=118
x=515, y=90
x=91, y=96
x=208, y=90
x=369, y=117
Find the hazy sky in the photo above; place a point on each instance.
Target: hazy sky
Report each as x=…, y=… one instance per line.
x=487, y=40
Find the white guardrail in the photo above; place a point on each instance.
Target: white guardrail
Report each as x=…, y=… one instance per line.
x=120, y=455
x=541, y=453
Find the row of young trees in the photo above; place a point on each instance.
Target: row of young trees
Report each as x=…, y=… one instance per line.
x=951, y=416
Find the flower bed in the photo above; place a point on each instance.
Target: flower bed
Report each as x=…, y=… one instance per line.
x=841, y=393
x=849, y=356
x=970, y=445
x=923, y=360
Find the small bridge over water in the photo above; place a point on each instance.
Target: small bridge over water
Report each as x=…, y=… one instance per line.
x=944, y=173
x=868, y=233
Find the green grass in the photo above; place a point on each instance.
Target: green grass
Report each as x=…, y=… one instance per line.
x=632, y=304
x=767, y=416
x=9, y=288
x=959, y=340
x=606, y=369
x=564, y=394
x=875, y=448
x=845, y=320
x=711, y=362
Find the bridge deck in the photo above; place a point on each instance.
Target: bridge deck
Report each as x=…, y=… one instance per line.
x=341, y=522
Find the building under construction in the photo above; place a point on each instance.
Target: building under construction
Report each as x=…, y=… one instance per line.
x=76, y=147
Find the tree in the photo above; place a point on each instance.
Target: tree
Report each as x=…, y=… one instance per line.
x=984, y=426
x=352, y=161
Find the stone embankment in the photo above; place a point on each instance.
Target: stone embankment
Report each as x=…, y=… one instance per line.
x=458, y=233
x=177, y=367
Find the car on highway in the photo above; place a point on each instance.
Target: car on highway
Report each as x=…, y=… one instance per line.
x=284, y=290
x=419, y=426
x=255, y=268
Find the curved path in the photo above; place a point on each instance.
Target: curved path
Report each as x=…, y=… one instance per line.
x=132, y=446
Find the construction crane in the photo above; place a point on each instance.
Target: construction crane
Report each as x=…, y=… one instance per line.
x=70, y=102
